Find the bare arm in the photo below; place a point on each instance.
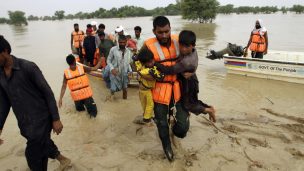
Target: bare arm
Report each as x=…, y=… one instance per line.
x=62, y=92
x=72, y=41
x=266, y=40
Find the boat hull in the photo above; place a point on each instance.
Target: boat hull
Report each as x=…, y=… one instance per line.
x=269, y=69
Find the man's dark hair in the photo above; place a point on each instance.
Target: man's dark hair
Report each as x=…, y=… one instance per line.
x=76, y=24
x=70, y=59
x=187, y=37
x=122, y=37
x=101, y=33
x=101, y=26
x=137, y=28
x=160, y=21
x=145, y=55
x=4, y=45
x=89, y=25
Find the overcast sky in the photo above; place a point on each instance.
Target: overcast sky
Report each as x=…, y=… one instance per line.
x=48, y=7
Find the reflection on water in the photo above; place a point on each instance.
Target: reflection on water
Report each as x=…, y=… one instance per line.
x=205, y=33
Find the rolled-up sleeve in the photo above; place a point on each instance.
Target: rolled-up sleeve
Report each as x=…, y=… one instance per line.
x=5, y=106
x=45, y=89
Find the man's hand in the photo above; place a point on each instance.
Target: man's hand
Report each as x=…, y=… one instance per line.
x=188, y=74
x=1, y=141
x=57, y=127
x=211, y=113
x=130, y=75
x=114, y=72
x=60, y=103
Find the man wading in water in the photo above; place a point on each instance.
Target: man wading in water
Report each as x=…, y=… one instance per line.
x=23, y=87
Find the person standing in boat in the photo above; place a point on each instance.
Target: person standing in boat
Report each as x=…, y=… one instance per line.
x=24, y=89
x=74, y=77
x=77, y=38
x=258, y=42
x=89, y=45
x=139, y=39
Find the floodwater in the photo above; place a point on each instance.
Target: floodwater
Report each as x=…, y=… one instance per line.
x=48, y=42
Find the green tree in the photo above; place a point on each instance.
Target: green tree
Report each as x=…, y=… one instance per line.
x=32, y=18
x=59, y=15
x=3, y=21
x=284, y=10
x=298, y=9
x=227, y=9
x=202, y=11
x=17, y=17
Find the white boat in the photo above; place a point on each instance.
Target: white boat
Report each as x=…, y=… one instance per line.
x=276, y=65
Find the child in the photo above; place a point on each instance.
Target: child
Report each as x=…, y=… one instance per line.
x=148, y=74
x=187, y=62
x=131, y=44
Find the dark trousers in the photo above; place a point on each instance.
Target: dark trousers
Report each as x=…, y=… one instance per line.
x=179, y=129
x=190, y=90
x=257, y=54
x=87, y=103
x=79, y=52
x=39, y=149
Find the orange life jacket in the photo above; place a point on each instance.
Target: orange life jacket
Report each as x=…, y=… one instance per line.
x=78, y=83
x=78, y=38
x=258, y=42
x=162, y=92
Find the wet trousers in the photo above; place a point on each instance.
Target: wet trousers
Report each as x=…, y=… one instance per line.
x=181, y=126
x=146, y=100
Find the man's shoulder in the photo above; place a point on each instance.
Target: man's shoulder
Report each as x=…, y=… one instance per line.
x=24, y=64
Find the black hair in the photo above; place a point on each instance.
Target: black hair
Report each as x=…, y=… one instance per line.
x=128, y=36
x=4, y=45
x=70, y=59
x=137, y=28
x=101, y=33
x=160, y=21
x=145, y=55
x=101, y=26
x=89, y=25
x=122, y=37
x=187, y=37
x=76, y=24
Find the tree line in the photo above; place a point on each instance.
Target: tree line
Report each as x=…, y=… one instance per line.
x=202, y=11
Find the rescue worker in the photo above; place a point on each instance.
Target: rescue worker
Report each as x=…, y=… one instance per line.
x=166, y=94
x=258, y=42
x=78, y=83
x=77, y=38
x=24, y=89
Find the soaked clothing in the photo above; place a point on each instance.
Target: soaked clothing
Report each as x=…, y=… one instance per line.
x=119, y=60
x=89, y=104
x=189, y=87
x=34, y=105
x=89, y=45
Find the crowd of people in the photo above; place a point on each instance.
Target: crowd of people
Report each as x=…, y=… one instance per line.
x=168, y=86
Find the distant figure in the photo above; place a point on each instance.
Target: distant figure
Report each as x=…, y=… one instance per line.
x=118, y=64
x=258, y=42
x=131, y=43
x=77, y=38
x=94, y=26
x=78, y=83
x=89, y=46
x=139, y=39
x=104, y=46
x=24, y=89
x=118, y=31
